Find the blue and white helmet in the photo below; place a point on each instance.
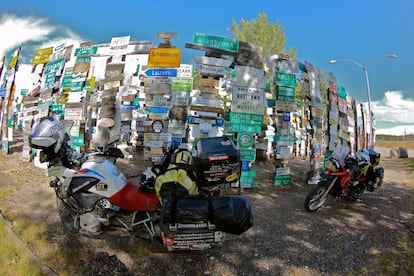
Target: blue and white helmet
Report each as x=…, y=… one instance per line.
x=48, y=135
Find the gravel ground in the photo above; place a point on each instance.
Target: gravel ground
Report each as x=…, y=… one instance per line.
x=340, y=239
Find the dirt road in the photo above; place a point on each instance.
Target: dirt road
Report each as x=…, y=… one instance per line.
x=340, y=238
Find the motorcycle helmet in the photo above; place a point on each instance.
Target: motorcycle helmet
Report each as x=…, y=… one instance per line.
x=47, y=135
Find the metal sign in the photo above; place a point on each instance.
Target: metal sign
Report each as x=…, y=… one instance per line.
x=164, y=57
x=185, y=71
x=248, y=154
x=210, y=70
x=222, y=43
x=248, y=94
x=161, y=72
x=285, y=79
x=86, y=51
x=246, y=128
x=237, y=118
x=247, y=107
x=182, y=84
x=245, y=140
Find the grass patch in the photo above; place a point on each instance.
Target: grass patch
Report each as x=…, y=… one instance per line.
x=13, y=259
x=394, y=144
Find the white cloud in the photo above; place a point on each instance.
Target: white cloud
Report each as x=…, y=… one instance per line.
x=394, y=108
x=394, y=114
x=31, y=33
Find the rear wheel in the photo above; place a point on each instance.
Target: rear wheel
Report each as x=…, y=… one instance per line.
x=68, y=218
x=316, y=197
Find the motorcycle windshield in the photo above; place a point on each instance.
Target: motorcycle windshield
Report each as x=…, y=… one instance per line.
x=340, y=152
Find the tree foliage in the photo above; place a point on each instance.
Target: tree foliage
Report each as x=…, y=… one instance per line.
x=271, y=37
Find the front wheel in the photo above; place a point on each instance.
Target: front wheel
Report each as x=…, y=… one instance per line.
x=68, y=218
x=316, y=197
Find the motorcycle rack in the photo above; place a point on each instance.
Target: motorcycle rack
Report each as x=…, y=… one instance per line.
x=146, y=222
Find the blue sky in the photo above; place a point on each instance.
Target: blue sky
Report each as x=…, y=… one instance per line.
x=320, y=30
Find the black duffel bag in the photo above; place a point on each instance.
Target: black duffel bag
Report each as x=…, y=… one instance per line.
x=186, y=209
x=232, y=214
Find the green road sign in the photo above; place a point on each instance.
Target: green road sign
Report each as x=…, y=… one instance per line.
x=246, y=128
x=222, y=43
x=237, y=118
x=248, y=154
x=248, y=173
x=86, y=51
x=285, y=79
x=182, y=84
x=284, y=179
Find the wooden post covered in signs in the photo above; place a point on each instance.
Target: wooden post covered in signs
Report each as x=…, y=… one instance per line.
x=7, y=116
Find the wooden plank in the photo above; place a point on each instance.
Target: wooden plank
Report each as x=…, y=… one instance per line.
x=207, y=109
x=210, y=82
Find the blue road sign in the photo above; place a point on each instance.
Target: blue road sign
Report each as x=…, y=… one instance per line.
x=161, y=72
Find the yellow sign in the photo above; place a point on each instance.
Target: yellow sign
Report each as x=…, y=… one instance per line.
x=164, y=58
x=42, y=55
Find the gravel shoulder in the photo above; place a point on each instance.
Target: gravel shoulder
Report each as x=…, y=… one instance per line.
x=338, y=239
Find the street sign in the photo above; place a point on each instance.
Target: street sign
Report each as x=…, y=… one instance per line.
x=249, y=173
x=182, y=84
x=210, y=70
x=164, y=57
x=237, y=118
x=246, y=128
x=285, y=79
x=247, y=107
x=245, y=140
x=248, y=154
x=54, y=66
x=248, y=94
x=222, y=43
x=86, y=51
x=185, y=71
x=161, y=72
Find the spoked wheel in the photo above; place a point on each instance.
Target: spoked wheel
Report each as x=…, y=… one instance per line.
x=316, y=197
x=69, y=220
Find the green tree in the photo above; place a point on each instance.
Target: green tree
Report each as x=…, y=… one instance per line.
x=271, y=37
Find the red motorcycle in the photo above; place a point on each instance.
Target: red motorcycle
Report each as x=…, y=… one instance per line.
x=346, y=176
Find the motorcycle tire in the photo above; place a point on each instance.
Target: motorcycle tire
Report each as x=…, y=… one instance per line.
x=316, y=197
x=67, y=218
